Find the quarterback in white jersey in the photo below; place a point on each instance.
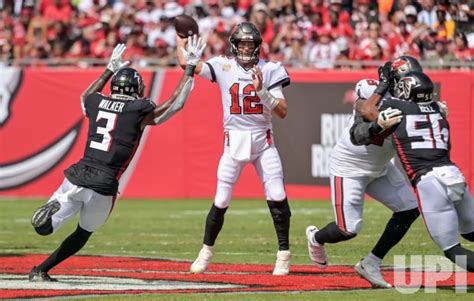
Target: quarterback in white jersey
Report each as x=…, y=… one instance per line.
x=251, y=90
x=354, y=171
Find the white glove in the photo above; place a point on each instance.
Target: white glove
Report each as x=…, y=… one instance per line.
x=443, y=107
x=389, y=117
x=194, y=49
x=115, y=62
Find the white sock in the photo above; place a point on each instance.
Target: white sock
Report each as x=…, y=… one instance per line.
x=373, y=258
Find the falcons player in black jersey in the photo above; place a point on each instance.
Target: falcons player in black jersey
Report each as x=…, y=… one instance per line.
x=422, y=141
x=116, y=123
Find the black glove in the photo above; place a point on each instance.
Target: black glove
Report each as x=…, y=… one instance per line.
x=385, y=78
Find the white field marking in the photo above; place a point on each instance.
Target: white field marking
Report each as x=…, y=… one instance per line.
x=70, y=282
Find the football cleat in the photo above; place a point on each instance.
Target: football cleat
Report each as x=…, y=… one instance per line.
x=43, y=213
x=199, y=266
x=39, y=276
x=316, y=251
x=370, y=271
x=282, y=265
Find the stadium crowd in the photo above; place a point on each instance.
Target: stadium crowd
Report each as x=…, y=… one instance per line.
x=301, y=33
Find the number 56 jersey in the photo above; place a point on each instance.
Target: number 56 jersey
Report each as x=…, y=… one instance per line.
x=421, y=139
x=243, y=109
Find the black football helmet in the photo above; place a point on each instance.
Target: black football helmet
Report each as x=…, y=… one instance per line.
x=127, y=81
x=404, y=64
x=245, y=31
x=415, y=86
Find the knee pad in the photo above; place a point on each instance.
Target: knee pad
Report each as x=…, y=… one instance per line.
x=275, y=190
x=353, y=229
x=223, y=194
x=468, y=236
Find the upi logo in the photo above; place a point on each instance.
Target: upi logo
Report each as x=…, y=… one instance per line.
x=414, y=271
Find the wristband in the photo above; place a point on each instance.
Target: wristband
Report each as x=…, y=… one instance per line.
x=268, y=99
x=189, y=71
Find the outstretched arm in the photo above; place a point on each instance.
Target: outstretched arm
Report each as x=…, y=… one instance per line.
x=114, y=65
x=164, y=111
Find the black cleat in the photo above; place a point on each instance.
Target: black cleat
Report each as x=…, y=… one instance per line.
x=40, y=276
x=43, y=213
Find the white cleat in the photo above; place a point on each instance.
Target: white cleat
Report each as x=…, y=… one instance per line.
x=370, y=271
x=316, y=251
x=282, y=265
x=199, y=266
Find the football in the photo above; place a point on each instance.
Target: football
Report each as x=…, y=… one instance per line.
x=185, y=26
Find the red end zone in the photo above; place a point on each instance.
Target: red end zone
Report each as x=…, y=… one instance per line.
x=96, y=275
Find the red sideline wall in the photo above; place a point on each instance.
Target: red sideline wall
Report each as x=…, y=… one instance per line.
x=179, y=158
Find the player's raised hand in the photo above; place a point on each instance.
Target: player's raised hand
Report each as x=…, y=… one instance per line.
x=194, y=50
x=115, y=62
x=389, y=117
x=257, y=77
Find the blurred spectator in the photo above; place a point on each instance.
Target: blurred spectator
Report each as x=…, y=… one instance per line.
x=401, y=42
x=361, y=16
x=445, y=28
x=370, y=47
x=86, y=31
x=441, y=56
x=259, y=16
x=324, y=53
x=461, y=50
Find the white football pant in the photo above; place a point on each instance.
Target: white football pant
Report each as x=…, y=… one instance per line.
x=347, y=195
x=267, y=163
x=94, y=208
x=445, y=219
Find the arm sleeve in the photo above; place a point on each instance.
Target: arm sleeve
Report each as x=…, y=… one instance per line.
x=363, y=132
x=178, y=104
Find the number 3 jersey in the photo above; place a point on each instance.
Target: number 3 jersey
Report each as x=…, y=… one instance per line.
x=421, y=139
x=243, y=109
x=112, y=139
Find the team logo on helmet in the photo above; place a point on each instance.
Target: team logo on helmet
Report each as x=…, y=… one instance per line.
x=405, y=86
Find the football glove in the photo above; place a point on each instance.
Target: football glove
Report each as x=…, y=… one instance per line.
x=115, y=62
x=443, y=108
x=389, y=117
x=194, y=50
x=385, y=78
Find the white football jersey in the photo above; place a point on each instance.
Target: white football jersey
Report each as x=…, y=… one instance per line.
x=242, y=107
x=349, y=160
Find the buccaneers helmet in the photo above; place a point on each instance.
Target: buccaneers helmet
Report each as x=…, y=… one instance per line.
x=415, y=86
x=245, y=31
x=127, y=81
x=404, y=64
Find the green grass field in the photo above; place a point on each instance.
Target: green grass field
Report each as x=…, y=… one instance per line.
x=174, y=230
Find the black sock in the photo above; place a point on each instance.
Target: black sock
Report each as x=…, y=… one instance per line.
x=214, y=223
x=395, y=229
x=332, y=234
x=69, y=247
x=457, y=250
x=468, y=236
x=45, y=229
x=281, y=214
